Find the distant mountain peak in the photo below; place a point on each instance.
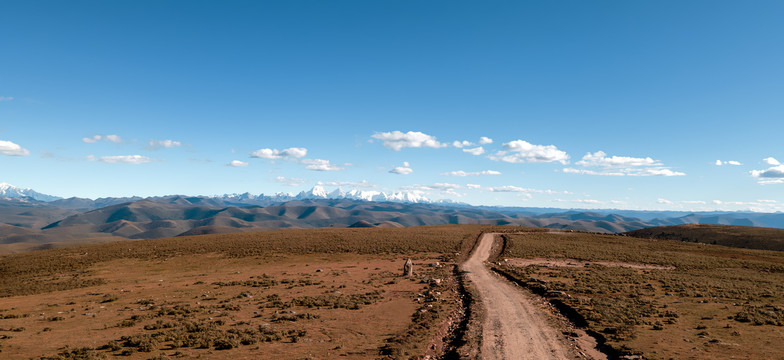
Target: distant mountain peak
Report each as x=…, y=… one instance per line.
x=337, y=194
x=10, y=191
x=317, y=192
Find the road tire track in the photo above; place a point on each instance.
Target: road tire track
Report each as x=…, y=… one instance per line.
x=513, y=327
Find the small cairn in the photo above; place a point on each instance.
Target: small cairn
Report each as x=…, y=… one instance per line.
x=408, y=268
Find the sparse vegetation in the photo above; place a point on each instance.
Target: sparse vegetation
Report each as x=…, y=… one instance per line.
x=748, y=237
x=166, y=302
x=68, y=268
x=703, y=288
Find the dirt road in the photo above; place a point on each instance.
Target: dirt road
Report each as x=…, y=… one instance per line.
x=513, y=328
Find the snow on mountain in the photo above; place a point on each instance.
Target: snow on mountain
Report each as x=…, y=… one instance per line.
x=409, y=196
x=317, y=192
x=366, y=195
x=281, y=196
x=236, y=197
x=10, y=191
x=337, y=194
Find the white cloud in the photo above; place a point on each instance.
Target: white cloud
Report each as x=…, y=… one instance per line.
x=290, y=181
x=122, y=159
x=113, y=138
x=581, y=201
x=521, y=151
x=445, y=186
x=237, y=163
x=664, y=201
x=319, y=165
x=772, y=175
x=621, y=166
x=279, y=154
x=587, y=201
x=508, y=188
x=461, y=144
x=517, y=189
x=475, y=151
x=157, y=144
x=599, y=158
x=771, y=161
x=484, y=140
x=396, y=140
x=653, y=172
x=436, y=186
x=473, y=186
x=729, y=162
x=6, y=98
x=401, y=170
x=475, y=173
x=592, y=172
x=356, y=184
x=12, y=149
x=96, y=138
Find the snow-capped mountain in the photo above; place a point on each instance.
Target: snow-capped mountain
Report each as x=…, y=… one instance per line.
x=10, y=191
x=366, y=195
x=318, y=192
x=337, y=194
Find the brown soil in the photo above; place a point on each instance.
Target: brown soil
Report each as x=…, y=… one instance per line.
x=89, y=317
x=552, y=262
x=515, y=325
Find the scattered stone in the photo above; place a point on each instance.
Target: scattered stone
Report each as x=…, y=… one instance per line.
x=319, y=270
x=408, y=268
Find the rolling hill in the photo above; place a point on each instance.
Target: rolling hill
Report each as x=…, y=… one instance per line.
x=43, y=221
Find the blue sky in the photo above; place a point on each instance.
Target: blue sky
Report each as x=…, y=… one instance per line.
x=589, y=104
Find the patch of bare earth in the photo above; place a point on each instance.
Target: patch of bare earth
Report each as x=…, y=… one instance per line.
x=574, y=263
x=210, y=306
x=516, y=325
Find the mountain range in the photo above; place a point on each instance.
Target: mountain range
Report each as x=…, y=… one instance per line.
x=30, y=220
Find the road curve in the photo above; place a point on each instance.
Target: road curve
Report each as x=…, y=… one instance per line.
x=513, y=328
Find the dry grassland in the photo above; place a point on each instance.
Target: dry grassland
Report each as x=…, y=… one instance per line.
x=296, y=294
x=696, y=302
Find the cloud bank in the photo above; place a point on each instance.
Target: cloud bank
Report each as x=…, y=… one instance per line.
x=121, y=159
x=272, y=154
x=12, y=149
x=397, y=140
x=620, y=166
x=96, y=138
x=521, y=151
